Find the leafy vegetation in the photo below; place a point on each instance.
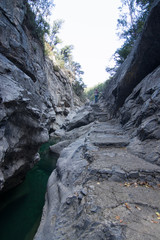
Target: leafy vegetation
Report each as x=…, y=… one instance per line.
x=54, y=40
x=66, y=54
x=130, y=24
x=37, y=12
x=78, y=84
x=100, y=87
x=64, y=59
x=41, y=7
x=37, y=22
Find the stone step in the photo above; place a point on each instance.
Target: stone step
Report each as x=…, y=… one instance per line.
x=101, y=117
x=96, y=107
x=120, y=164
x=109, y=131
x=109, y=140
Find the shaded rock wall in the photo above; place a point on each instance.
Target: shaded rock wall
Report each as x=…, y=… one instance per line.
x=143, y=59
x=141, y=110
x=34, y=99
x=133, y=95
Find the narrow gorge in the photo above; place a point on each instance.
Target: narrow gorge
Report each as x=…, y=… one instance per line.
x=35, y=99
x=106, y=184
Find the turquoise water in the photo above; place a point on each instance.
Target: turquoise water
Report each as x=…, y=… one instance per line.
x=21, y=208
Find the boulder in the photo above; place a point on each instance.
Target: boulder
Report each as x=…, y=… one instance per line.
x=83, y=117
x=57, y=148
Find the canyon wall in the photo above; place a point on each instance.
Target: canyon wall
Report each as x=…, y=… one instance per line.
x=34, y=97
x=137, y=80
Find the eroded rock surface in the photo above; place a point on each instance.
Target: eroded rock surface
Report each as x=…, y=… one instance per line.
x=107, y=181
x=102, y=188
x=143, y=60
x=141, y=111
x=106, y=184
x=34, y=97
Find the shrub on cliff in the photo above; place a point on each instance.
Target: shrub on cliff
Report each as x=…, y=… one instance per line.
x=37, y=12
x=130, y=24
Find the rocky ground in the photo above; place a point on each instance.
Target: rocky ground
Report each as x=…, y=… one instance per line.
x=105, y=185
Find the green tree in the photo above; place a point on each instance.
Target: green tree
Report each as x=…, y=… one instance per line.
x=100, y=87
x=76, y=68
x=54, y=39
x=36, y=17
x=78, y=87
x=66, y=53
x=130, y=24
x=37, y=14
x=78, y=84
x=132, y=16
x=41, y=7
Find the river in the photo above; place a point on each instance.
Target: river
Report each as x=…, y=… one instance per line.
x=21, y=207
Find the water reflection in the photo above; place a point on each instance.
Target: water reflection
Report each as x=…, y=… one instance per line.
x=21, y=208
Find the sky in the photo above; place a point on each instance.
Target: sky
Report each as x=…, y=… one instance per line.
x=90, y=26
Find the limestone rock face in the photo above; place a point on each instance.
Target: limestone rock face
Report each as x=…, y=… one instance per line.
x=22, y=123
x=141, y=110
x=133, y=95
x=34, y=98
x=143, y=59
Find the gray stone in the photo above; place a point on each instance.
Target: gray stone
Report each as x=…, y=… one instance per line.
x=141, y=61
x=33, y=100
x=82, y=118
x=88, y=194
x=57, y=148
x=108, y=140
x=117, y=166
x=133, y=175
x=84, y=191
x=104, y=205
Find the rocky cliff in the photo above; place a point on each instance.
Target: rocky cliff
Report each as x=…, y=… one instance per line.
x=34, y=98
x=106, y=184
x=134, y=93
x=142, y=61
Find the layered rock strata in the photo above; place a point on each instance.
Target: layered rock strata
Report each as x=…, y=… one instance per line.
x=143, y=59
x=34, y=97
x=133, y=95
